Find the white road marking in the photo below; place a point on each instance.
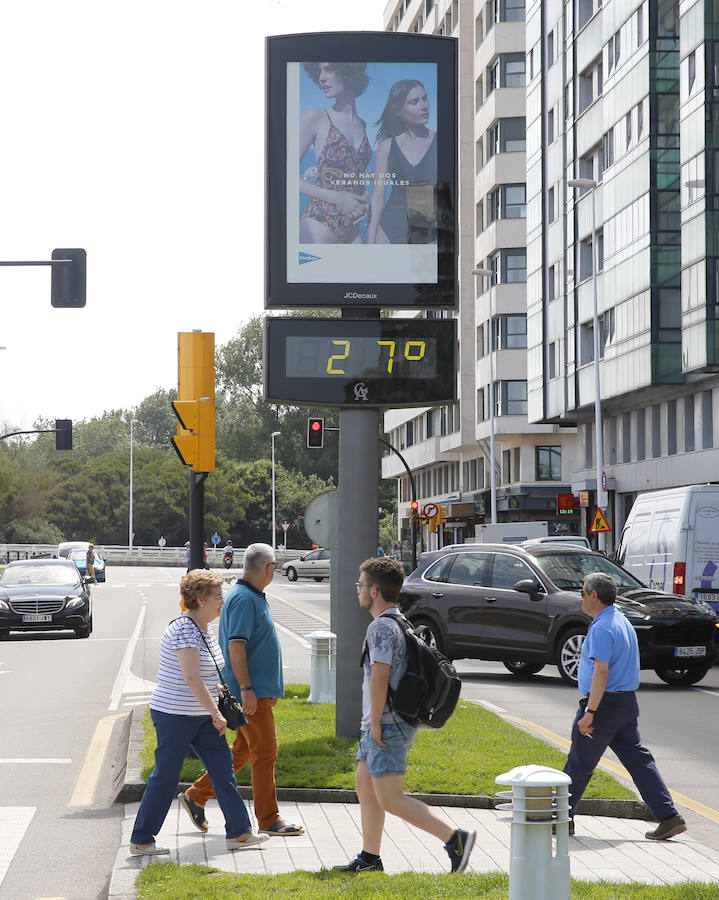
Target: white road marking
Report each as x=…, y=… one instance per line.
x=703, y=690
x=14, y=821
x=487, y=705
x=124, y=670
x=37, y=759
x=300, y=640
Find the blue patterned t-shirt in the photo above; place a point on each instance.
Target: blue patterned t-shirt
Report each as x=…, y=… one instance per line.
x=385, y=643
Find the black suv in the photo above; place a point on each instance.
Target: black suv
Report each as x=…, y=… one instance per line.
x=522, y=606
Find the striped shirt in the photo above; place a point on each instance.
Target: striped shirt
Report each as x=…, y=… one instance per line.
x=172, y=694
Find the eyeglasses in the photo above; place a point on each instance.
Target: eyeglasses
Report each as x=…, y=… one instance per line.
x=360, y=584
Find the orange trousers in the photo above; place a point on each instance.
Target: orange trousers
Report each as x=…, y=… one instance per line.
x=256, y=743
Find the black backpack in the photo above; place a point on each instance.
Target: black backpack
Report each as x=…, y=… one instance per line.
x=427, y=693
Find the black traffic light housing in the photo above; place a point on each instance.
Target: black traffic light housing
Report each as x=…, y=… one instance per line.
x=63, y=434
x=67, y=286
x=316, y=433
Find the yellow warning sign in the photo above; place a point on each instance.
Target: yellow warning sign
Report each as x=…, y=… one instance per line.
x=599, y=522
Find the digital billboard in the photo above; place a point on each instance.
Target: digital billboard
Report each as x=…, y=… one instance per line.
x=361, y=170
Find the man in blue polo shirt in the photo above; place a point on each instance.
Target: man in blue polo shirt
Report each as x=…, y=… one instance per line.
x=253, y=671
x=608, y=711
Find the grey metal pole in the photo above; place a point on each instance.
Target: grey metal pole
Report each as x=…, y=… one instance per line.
x=601, y=502
x=130, y=523
x=356, y=541
x=274, y=514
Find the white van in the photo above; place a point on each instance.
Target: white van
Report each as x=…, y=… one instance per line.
x=509, y=532
x=671, y=541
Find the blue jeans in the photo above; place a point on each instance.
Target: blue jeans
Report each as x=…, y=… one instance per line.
x=389, y=760
x=175, y=734
x=615, y=726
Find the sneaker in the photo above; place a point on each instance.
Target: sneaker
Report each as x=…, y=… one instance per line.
x=148, y=850
x=252, y=840
x=359, y=865
x=194, y=811
x=667, y=828
x=459, y=849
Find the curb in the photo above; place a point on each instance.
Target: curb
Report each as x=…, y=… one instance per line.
x=134, y=787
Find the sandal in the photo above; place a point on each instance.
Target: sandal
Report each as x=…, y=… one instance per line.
x=282, y=829
x=194, y=811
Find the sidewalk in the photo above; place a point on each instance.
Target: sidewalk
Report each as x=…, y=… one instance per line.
x=603, y=848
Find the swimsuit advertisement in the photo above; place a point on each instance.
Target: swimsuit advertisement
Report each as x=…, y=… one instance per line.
x=362, y=170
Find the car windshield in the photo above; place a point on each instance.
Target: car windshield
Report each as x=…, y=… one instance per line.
x=81, y=556
x=568, y=570
x=16, y=576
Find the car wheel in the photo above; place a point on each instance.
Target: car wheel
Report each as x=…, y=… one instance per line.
x=429, y=633
x=683, y=675
x=518, y=667
x=318, y=578
x=568, y=651
x=291, y=573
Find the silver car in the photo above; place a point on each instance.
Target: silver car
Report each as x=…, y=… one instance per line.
x=312, y=565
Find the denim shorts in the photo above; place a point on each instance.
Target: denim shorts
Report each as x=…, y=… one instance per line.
x=389, y=760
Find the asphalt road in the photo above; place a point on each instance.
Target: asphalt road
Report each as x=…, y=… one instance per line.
x=65, y=701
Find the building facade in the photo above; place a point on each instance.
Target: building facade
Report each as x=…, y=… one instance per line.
x=448, y=449
x=621, y=93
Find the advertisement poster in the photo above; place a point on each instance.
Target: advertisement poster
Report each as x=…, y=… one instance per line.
x=364, y=212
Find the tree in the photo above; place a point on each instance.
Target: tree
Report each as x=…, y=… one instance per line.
x=156, y=420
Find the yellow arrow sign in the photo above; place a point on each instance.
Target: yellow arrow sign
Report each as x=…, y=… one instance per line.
x=599, y=522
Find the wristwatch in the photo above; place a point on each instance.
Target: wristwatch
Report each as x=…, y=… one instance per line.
x=247, y=687
x=587, y=710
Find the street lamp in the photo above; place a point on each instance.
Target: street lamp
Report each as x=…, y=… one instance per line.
x=488, y=273
x=129, y=525
x=274, y=515
x=591, y=185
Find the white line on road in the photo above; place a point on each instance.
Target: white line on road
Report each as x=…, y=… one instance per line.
x=14, y=821
x=490, y=706
x=292, y=634
x=707, y=691
x=40, y=760
x=124, y=669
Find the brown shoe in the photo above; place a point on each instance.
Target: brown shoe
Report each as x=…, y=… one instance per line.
x=667, y=828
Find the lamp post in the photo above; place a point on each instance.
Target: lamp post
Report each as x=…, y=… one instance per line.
x=488, y=273
x=129, y=524
x=274, y=515
x=591, y=185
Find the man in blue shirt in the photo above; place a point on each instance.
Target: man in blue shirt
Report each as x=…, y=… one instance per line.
x=608, y=711
x=253, y=671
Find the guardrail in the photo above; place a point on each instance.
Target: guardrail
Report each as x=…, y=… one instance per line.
x=138, y=556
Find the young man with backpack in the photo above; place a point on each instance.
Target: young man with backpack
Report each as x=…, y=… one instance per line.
x=385, y=738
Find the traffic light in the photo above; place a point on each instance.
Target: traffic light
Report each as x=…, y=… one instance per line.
x=67, y=282
x=195, y=404
x=316, y=433
x=63, y=434
x=413, y=511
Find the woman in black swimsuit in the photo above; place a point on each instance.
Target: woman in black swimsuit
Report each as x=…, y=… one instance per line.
x=406, y=161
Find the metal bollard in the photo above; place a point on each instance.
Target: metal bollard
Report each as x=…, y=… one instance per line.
x=539, y=799
x=324, y=666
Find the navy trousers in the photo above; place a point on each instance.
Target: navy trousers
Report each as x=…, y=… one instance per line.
x=615, y=726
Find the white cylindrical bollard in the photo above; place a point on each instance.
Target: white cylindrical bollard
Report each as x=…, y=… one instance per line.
x=538, y=868
x=323, y=648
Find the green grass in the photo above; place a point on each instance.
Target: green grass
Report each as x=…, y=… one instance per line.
x=166, y=880
x=464, y=757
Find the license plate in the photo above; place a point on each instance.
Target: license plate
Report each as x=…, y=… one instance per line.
x=707, y=596
x=36, y=617
x=690, y=651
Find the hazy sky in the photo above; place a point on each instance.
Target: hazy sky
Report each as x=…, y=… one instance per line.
x=135, y=130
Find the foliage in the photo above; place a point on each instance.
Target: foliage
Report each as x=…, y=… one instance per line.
x=33, y=531
x=464, y=757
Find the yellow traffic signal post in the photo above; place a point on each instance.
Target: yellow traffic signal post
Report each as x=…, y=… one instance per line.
x=195, y=438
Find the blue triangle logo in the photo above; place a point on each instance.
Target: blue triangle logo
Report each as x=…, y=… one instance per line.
x=307, y=257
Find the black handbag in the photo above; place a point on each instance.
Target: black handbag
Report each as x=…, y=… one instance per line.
x=229, y=706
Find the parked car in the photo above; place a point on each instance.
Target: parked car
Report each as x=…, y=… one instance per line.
x=577, y=540
x=46, y=594
x=312, y=565
x=522, y=607
x=79, y=557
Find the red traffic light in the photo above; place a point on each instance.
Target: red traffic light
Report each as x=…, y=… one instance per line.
x=315, y=433
x=414, y=505
x=315, y=426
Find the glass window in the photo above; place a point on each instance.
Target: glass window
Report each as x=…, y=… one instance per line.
x=640, y=119
x=550, y=205
x=440, y=570
x=641, y=434
x=551, y=283
x=469, y=568
x=550, y=49
x=589, y=445
x=610, y=54
x=512, y=10
x=550, y=126
x=493, y=140
x=689, y=424
x=512, y=398
x=492, y=77
x=617, y=46
x=707, y=421
x=510, y=332
x=692, y=66
x=508, y=570
x=513, y=134
x=514, y=201
x=512, y=70
x=548, y=463
x=656, y=432
x=640, y=27
x=626, y=437
x=628, y=125
x=552, y=360
x=480, y=341
x=480, y=405
x=514, y=265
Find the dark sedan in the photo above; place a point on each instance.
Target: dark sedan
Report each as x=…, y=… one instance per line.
x=46, y=594
x=522, y=607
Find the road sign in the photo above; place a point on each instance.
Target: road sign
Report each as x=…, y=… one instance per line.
x=161, y=543
x=599, y=522
x=285, y=526
x=430, y=510
x=215, y=539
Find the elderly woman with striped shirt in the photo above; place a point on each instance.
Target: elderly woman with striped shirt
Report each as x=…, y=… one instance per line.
x=184, y=712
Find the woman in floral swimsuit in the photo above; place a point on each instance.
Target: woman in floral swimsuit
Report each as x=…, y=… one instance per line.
x=339, y=198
